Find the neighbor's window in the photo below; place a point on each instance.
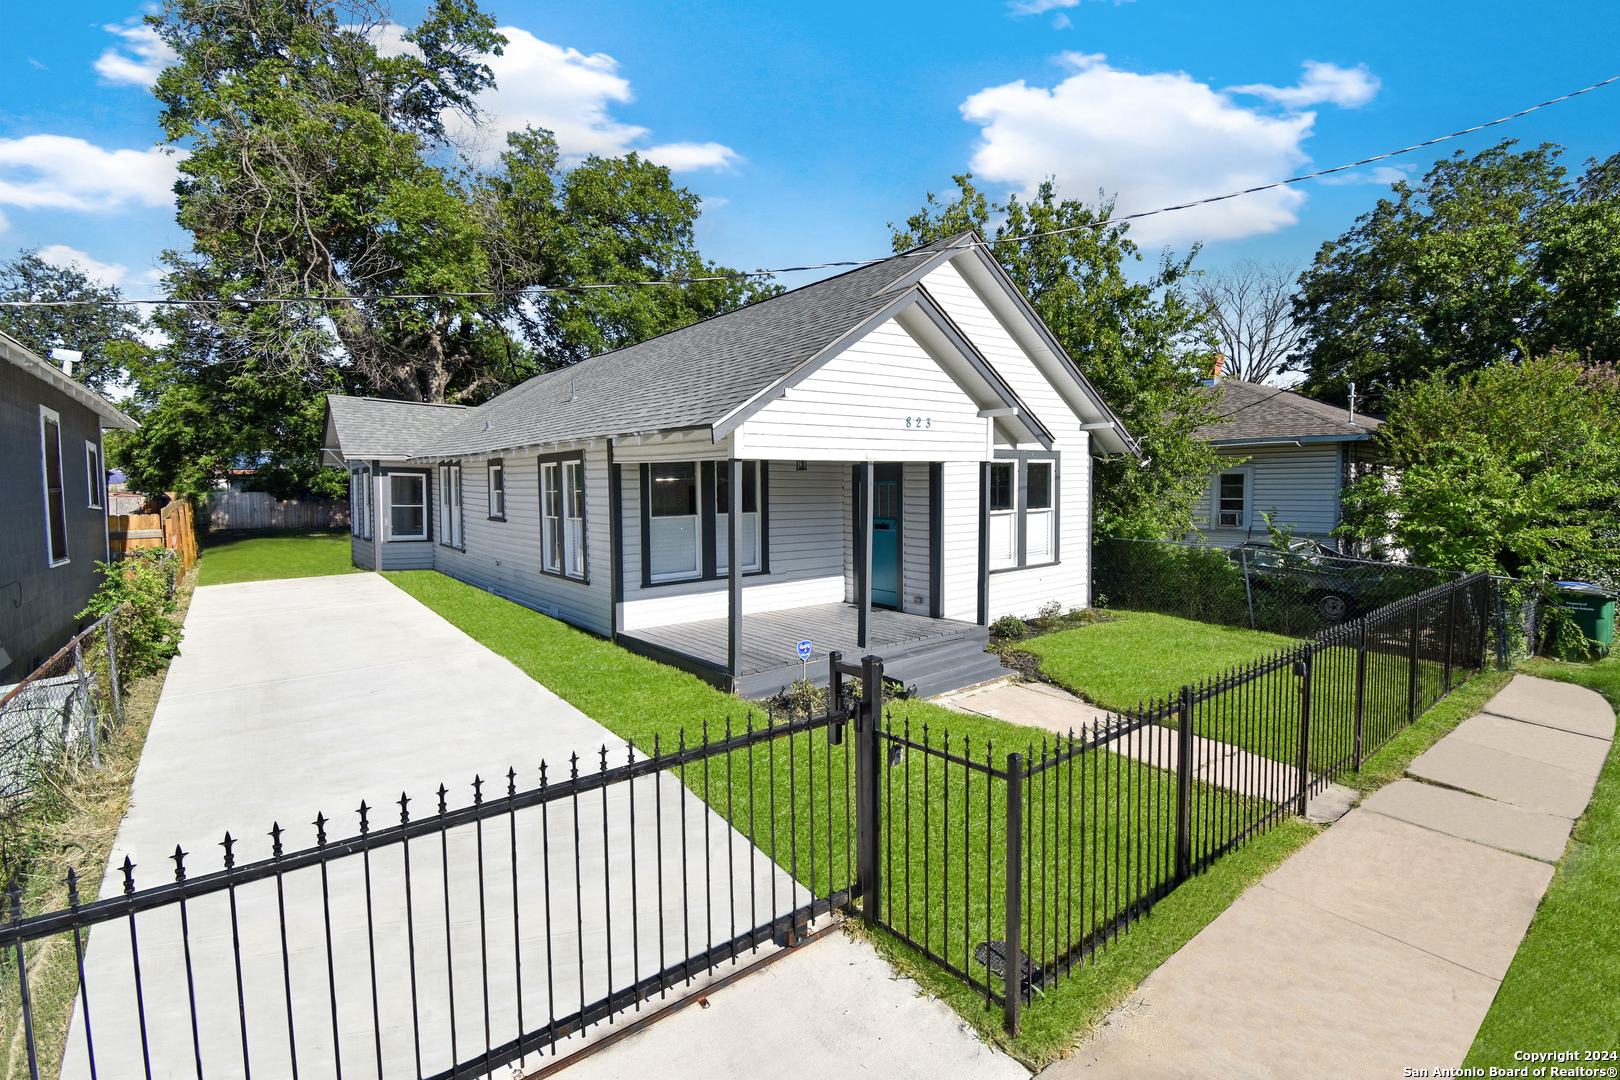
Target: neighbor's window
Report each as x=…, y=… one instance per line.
x=562, y=525
x=50, y=450
x=450, y=505
x=497, y=490
x=94, y=474
x=747, y=528
x=1233, y=499
x=407, y=506
x=674, y=539
x=1039, y=516
x=1003, y=515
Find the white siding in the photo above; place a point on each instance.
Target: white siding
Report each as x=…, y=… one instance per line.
x=857, y=406
x=503, y=557
x=1298, y=484
x=961, y=528
x=807, y=549
x=914, y=536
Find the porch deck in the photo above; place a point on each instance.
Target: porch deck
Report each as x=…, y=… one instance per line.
x=933, y=655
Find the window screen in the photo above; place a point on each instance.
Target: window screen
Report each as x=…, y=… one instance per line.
x=407, y=506
x=1001, y=485
x=1232, y=498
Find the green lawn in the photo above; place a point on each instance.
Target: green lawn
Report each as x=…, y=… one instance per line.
x=266, y=556
x=1139, y=656
x=1563, y=988
x=766, y=793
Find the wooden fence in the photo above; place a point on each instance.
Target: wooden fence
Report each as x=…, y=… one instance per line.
x=175, y=528
x=232, y=509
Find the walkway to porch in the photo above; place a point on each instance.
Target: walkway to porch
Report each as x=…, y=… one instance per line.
x=932, y=655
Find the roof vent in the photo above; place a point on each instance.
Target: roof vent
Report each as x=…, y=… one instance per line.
x=487, y=425
x=67, y=358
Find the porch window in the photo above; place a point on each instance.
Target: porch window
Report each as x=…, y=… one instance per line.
x=407, y=506
x=94, y=473
x=450, y=521
x=1233, y=500
x=50, y=452
x=1003, y=515
x=497, y=490
x=562, y=524
x=1038, y=512
x=748, y=528
x=674, y=539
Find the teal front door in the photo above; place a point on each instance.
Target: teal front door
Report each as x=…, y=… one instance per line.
x=886, y=543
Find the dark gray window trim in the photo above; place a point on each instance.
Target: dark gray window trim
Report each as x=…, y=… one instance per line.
x=489, y=489
x=540, y=479
x=706, y=525
x=615, y=542
x=1021, y=506
x=428, y=495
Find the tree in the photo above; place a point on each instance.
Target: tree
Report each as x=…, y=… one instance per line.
x=108, y=335
x=1514, y=469
x=1143, y=344
x=1485, y=258
x=1251, y=311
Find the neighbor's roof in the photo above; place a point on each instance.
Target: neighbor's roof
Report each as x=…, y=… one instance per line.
x=1270, y=414
x=699, y=376
x=45, y=371
x=361, y=428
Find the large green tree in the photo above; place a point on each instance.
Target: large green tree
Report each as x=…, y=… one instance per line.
x=1142, y=341
x=107, y=333
x=1486, y=257
x=1514, y=469
x=341, y=242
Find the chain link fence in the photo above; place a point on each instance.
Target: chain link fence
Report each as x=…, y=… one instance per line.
x=62, y=707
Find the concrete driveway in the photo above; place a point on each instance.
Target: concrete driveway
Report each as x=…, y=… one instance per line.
x=305, y=696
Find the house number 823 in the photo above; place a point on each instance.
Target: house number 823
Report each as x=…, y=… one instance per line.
x=919, y=422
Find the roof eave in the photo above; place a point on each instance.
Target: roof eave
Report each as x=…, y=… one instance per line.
x=31, y=362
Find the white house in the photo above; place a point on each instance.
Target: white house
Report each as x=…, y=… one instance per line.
x=897, y=455
x=1284, y=454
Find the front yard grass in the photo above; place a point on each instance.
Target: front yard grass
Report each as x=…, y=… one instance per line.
x=1562, y=991
x=1137, y=656
x=266, y=556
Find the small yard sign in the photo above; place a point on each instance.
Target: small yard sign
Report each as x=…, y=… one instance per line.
x=804, y=650
x=804, y=659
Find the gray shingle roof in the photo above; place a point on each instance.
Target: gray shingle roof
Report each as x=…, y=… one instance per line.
x=697, y=374
x=379, y=428
x=1258, y=412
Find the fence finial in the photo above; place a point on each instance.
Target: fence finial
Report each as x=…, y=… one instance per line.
x=179, y=858
x=129, y=876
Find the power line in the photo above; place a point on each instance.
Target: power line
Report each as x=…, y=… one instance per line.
x=736, y=275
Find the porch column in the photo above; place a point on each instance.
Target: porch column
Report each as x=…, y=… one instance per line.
x=863, y=559
x=734, y=626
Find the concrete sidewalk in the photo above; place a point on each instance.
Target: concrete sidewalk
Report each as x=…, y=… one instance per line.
x=1380, y=945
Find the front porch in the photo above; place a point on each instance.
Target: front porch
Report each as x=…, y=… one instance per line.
x=931, y=656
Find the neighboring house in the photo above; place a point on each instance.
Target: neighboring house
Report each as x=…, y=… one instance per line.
x=1283, y=454
x=611, y=493
x=53, y=484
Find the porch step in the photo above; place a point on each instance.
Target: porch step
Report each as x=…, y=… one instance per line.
x=963, y=663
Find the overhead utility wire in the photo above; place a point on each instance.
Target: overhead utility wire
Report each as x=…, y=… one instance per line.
x=1101, y=223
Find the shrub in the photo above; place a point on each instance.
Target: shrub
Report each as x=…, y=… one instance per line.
x=1008, y=628
x=140, y=588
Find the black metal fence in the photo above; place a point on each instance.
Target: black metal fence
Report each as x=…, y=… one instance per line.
x=1010, y=872
x=450, y=943
x=1297, y=591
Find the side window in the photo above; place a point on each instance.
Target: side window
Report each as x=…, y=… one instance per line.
x=1233, y=499
x=1003, y=515
x=1040, y=520
x=407, y=506
x=50, y=465
x=95, y=475
x=497, y=490
x=674, y=540
x=450, y=505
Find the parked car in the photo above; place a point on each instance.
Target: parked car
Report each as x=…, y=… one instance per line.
x=1336, y=587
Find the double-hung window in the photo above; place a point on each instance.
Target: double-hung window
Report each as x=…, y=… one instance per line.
x=50, y=452
x=450, y=505
x=674, y=539
x=747, y=527
x=562, y=524
x=1039, y=520
x=407, y=506
x=497, y=490
x=1003, y=522
x=1232, y=500
x=95, y=475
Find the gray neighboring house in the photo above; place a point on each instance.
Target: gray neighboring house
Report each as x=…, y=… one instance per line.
x=53, y=484
x=898, y=455
x=1285, y=454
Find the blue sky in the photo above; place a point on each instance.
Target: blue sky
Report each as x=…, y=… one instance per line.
x=807, y=127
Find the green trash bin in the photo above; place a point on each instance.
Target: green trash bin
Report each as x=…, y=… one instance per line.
x=1592, y=608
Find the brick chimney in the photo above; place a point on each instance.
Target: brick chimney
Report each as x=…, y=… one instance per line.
x=1220, y=364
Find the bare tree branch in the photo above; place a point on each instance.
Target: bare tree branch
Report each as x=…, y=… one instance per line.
x=1251, y=311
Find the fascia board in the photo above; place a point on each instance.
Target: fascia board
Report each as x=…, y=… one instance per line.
x=31, y=362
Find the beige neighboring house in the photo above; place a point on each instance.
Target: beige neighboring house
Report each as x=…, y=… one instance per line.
x=1280, y=453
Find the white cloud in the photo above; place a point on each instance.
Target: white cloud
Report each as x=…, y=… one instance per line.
x=63, y=173
x=1152, y=140
x=1348, y=88
x=1038, y=7
x=5, y=223
x=151, y=55
x=1061, y=21
x=106, y=273
x=570, y=94
x=1383, y=174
